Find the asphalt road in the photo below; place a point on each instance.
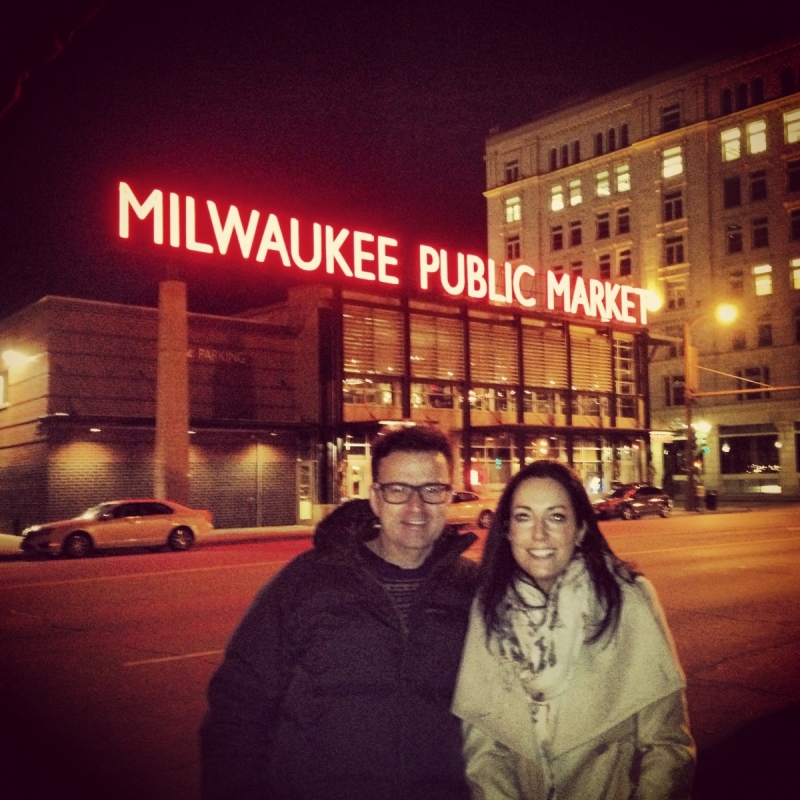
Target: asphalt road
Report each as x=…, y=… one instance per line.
x=104, y=662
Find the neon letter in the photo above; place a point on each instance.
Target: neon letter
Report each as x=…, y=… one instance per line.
x=273, y=240
x=612, y=309
x=233, y=221
x=580, y=298
x=154, y=203
x=596, y=299
x=628, y=304
x=428, y=263
x=316, y=259
x=386, y=261
x=191, y=230
x=360, y=255
x=461, y=280
x=557, y=286
x=519, y=272
x=174, y=220
x=476, y=272
x=506, y=296
x=332, y=253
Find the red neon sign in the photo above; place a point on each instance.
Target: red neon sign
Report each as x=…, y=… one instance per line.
x=365, y=257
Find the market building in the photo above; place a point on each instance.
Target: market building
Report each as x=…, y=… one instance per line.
x=687, y=184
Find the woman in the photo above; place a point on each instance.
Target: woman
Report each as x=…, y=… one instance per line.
x=569, y=686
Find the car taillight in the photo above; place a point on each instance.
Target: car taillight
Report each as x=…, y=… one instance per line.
x=207, y=515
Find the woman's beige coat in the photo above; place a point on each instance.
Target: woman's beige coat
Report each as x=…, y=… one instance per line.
x=621, y=727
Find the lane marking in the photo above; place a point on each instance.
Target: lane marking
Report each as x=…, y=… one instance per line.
x=173, y=658
x=707, y=546
x=132, y=575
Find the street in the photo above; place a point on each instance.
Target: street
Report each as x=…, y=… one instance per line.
x=104, y=662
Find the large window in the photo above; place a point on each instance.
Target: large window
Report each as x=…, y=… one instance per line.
x=512, y=171
x=625, y=375
x=373, y=341
x=751, y=378
x=672, y=162
x=733, y=238
x=673, y=251
x=760, y=232
x=758, y=185
x=575, y=196
x=732, y=192
x=756, y=136
x=557, y=237
x=674, y=390
x=575, y=233
x=513, y=209
x=556, y=198
x=793, y=176
x=675, y=291
x=731, y=140
x=794, y=225
x=437, y=347
x=604, y=266
x=624, y=264
x=513, y=250
x=748, y=449
x=623, y=220
x=3, y=388
x=493, y=353
x=602, y=184
x=670, y=117
x=673, y=206
x=623, y=175
x=603, y=226
x=794, y=273
x=791, y=126
x=763, y=279
x=544, y=353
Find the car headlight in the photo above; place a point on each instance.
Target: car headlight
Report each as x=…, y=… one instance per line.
x=36, y=532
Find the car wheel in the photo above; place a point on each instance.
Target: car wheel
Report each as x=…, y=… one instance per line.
x=665, y=511
x=485, y=518
x=180, y=539
x=77, y=545
x=626, y=512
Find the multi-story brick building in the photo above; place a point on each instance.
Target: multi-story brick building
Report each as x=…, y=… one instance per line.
x=689, y=185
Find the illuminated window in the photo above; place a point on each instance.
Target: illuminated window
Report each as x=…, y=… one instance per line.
x=791, y=126
x=598, y=144
x=623, y=220
x=575, y=233
x=624, y=263
x=673, y=206
x=604, y=266
x=602, y=184
x=575, y=196
x=758, y=185
x=623, y=136
x=793, y=176
x=672, y=162
x=673, y=250
x=732, y=192
x=794, y=225
x=670, y=118
x=676, y=294
x=731, y=144
x=512, y=171
x=765, y=334
x=3, y=388
x=557, y=237
x=603, y=226
x=733, y=238
x=763, y=279
x=760, y=232
x=576, y=152
x=623, y=178
x=756, y=136
x=736, y=284
x=556, y=198
x=795, y=273
x=513, y=209
x=512, y=248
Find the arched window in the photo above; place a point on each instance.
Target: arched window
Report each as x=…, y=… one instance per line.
x=741, y=96
x=623, y=136
x=757, y=91
x=787, y=81
x=612, y=140
x=553, y=159
x=598, y=144
x=727, y=101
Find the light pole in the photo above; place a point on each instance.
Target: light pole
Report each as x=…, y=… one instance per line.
x=691, y=388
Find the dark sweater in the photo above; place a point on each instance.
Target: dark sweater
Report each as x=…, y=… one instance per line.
x=326, y=692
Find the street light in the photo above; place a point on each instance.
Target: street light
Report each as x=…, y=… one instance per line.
x=725, y=313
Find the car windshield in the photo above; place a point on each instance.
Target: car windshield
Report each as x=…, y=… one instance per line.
x=95, y=511
x=620, y=491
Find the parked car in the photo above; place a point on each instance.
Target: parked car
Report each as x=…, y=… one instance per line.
x=634, y=500
x=120, y=523
x=468, y=508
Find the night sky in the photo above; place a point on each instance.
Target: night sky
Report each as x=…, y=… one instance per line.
x=369, y=115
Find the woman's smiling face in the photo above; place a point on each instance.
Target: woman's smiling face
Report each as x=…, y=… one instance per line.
x=543, y=531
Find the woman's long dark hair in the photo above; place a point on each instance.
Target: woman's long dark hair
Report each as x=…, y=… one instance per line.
x=498, y=567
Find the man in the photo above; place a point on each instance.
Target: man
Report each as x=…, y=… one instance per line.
x=338, y=682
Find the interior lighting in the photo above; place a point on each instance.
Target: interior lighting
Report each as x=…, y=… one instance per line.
x=14, y=358
x=94, y=430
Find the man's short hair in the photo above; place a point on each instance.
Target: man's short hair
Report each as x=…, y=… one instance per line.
x=416, y=439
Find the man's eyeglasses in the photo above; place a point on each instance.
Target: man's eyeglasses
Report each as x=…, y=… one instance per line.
x=431, y=493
